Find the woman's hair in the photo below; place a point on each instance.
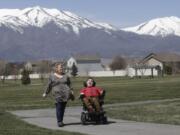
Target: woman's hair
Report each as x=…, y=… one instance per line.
x=56, y=65
x=85, y=82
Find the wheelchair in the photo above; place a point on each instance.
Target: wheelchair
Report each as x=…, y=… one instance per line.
x=94, y=117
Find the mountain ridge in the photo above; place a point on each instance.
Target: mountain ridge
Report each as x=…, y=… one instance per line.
x=38, y=17
x=158, y=27
x=32, y=34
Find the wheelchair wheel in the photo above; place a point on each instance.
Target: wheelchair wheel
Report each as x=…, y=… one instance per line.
x=104, y=120
x=83, y=118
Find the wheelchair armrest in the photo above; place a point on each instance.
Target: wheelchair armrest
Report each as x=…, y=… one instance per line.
x=81, y=96
x=102, y=95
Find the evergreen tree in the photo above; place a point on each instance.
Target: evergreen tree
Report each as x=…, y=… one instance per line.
x=74, y=70
x=25, y=77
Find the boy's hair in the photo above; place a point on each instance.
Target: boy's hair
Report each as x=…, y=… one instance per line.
x=85, y=82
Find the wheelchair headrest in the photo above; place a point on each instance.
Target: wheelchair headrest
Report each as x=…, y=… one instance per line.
x=85, y=82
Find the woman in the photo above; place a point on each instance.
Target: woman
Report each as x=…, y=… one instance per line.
x=60, y=85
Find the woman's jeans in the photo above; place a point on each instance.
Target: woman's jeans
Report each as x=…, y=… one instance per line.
x=60, y=109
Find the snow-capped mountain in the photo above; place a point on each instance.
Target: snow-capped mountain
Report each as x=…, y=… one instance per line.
x=38, y=17
x=40, y=33
x=158, y=27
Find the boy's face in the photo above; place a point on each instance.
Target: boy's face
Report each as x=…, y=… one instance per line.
x=89, y=82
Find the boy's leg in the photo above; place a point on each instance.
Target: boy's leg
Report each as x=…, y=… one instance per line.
x=96, y=103
x=88, y=104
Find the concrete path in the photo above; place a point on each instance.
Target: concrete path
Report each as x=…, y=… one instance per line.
x=142, y=102
x=46, y=118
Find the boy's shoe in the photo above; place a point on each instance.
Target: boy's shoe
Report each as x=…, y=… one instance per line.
x=60, y=124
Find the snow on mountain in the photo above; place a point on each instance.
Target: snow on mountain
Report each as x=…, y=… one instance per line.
x=158, y=27
x=38, y=17
x=108, y=26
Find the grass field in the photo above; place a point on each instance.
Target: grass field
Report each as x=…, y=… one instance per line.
x=14, y=96
x=165, y=113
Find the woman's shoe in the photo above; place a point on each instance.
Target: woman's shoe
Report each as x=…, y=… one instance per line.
x=60, y=124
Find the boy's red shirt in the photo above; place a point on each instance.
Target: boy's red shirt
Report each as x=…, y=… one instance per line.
x=91, y=91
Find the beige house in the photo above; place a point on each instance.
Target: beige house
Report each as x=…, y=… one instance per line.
x=168, y=63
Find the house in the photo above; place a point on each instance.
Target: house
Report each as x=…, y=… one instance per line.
x=39, y=66
x=105, y=62
x=168, y=63
x=85, y=64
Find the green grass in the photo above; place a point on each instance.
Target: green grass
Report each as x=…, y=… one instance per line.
x=165, y=113
x=141, y=89
x=10, y=125
x=14, y=96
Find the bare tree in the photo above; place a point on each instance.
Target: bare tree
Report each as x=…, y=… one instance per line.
x=118, y=63
x=6, y=70
x=44, y=67
x=28, y=67
x=142, y=68
x=15, y=72
x=2, y=70
x=175, y=67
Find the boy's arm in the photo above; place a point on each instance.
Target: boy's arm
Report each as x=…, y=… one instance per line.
x=100, y=91
x=82, y=93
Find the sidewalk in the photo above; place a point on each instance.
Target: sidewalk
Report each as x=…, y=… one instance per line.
x=46, y=118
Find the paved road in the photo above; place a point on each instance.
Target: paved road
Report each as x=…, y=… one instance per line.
x=46, y=118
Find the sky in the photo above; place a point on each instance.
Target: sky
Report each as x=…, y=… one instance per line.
x=121, y=13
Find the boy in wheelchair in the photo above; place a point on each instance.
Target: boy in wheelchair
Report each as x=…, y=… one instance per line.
x=92, y=98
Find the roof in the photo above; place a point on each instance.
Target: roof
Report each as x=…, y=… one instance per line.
x=89, y=67
x=106, y=61
x=132, y=61
x=163, y=57
x=87, y=58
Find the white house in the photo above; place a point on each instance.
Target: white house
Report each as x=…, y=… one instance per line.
x=85, y=64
